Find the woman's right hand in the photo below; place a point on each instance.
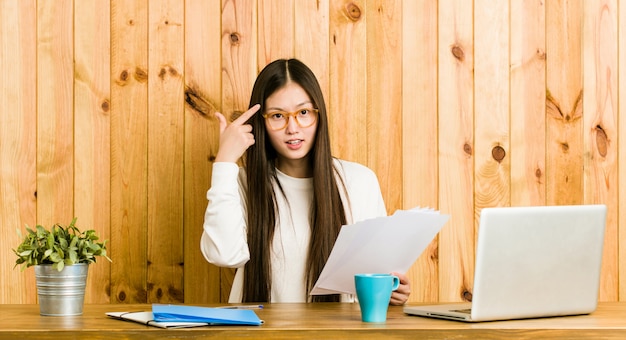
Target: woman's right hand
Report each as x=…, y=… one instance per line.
x=236, y=137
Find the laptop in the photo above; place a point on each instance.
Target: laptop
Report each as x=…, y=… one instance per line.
x=532, y=262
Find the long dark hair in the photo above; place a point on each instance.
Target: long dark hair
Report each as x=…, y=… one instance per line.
x=327, y=212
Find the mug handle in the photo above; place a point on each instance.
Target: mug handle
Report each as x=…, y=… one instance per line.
x=396, y=282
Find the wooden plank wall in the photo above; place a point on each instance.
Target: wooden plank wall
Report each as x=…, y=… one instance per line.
x=106, y=114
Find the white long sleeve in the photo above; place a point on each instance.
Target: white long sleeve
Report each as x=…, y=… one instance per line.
x=224, y=240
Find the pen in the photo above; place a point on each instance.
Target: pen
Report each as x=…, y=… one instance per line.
x=244, y=307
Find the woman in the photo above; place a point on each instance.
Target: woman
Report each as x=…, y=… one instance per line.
x=277, y=218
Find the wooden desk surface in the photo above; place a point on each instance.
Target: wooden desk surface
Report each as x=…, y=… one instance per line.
x=300, y=321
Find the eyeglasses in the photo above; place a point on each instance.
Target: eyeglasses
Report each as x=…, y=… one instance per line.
x=278, y=120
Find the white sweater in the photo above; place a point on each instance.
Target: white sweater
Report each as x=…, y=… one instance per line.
x=224, y=240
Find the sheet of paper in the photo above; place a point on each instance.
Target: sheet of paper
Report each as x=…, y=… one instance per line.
x=380, y=245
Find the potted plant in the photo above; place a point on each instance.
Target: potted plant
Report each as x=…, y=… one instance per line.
x=61, y=256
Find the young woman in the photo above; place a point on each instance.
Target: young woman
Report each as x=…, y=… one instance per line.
x=277, y=218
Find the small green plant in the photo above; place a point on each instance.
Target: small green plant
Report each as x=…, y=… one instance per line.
x=59, y=246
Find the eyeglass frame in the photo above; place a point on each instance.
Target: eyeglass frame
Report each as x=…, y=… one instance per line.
x=289, y=115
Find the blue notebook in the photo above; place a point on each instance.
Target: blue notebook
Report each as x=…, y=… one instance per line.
x=210, y=315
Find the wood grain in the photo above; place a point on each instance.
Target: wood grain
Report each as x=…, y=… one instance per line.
x=129, y=146
x=564, y=166
x=456, y=149
x=312, y=321
x=528, y=109
x=239, y=61
x=92, y=105
x=348, y=80
x=276, y=22
x=55, y=113
x=165, y=151
x=312, y=47
x=202, y=100
x=600, y=119
x=621, y=145
x=492, y=124
x=419, y=132
x=384, y=98
x=18, y=139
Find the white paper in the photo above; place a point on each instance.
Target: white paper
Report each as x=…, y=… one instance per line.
x=147, y=319
x=380, y=245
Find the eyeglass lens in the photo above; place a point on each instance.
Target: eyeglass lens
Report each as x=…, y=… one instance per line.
x=279, y=120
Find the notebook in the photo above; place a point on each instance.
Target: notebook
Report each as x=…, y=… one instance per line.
x=532, y=262
x=182, y=316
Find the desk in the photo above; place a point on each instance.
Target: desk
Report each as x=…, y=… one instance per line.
x=319, y=320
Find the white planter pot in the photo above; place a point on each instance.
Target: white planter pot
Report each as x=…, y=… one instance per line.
x=61, y=293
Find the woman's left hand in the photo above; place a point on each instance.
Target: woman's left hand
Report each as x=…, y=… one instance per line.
x=401, y=295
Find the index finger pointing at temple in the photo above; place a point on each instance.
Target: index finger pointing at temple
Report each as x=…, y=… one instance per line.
x=246, y=115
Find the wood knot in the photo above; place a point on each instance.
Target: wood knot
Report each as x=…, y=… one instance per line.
x=175, y=294
x=564, y=147
x=498, y=153
x=541, y=54
x=434, y=254
x=602, y=141
x=467, y=296
x=235, y=115
x=353, y=11
x=121, y=296
x=458, y=53
x=198, y=103
x=165, y=70
x=167, y=23
x=538, y=173
x=124, y=76
x=467, y=149
x=105, y=106
x=234, y=38
x=141, y=75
